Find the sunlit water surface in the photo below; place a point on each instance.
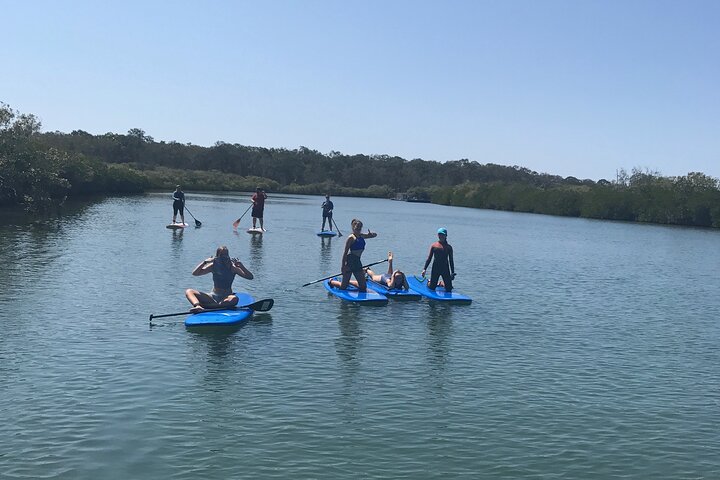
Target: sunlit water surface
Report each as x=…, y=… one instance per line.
x=591, y=350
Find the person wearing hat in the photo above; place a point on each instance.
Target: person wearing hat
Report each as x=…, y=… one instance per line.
x=258, y=201
x=441, y=254
x=327, y=209
x=178, y=204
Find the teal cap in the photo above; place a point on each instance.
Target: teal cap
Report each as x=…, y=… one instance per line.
x=442, y=230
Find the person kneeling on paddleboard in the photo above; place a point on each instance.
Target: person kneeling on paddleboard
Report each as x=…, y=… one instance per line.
x=443, y=263
x=224, y=270
x=351, y=262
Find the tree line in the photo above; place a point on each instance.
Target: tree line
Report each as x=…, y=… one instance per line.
x=41, y=169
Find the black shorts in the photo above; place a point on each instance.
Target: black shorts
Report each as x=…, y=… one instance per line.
x=354, y=263
x=257, y=212
x=178, y=207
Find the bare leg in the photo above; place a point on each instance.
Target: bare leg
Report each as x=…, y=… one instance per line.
x=254, y=220
x=199, y=300
x=261, y=224
x=229, y=301
x=361, y=283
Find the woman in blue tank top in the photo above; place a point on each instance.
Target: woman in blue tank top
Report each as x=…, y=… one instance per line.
x=351, y=262
x=223, y=269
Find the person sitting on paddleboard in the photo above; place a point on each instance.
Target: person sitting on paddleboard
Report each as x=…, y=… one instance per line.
x=327, y=209
x=224, y=270
x=393, y=279
x=258, y=201
x=443, y=263
x=178, y=204
x=351, y=262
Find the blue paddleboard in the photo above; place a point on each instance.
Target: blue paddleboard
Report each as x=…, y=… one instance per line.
x=419, y=284
x=222, y=317
x=326, y=233
x=352, y=294
x=394, y=293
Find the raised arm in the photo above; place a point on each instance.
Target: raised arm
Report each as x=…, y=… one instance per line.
x=241, y=269
x=203, y=267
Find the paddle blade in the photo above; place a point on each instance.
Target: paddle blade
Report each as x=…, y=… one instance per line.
x=261, y=305
x=236, y=223
x=198, y=223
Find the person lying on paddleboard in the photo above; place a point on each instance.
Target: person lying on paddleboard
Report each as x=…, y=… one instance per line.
x=224, y=270
x=351, y=262
x=443, y=263
x=327, y=210
x=178, y=204
x=393, y=279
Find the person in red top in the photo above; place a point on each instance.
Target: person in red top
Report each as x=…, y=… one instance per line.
x=443, y=263
x=258, y=201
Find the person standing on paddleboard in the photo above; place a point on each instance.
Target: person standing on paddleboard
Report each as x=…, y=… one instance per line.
x=178, y=204
x=258, y=201
x=443, y=263
x=351, y=262
x=327, y=210
x=224, y=270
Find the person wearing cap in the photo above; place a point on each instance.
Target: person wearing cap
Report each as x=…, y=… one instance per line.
x=441, y=254
x=327, y=209
x=258, y=201
x=178, y=204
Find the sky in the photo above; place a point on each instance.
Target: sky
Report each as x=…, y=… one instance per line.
x=567, y=87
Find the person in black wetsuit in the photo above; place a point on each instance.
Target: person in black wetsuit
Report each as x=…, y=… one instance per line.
x=327, y=208
x=224, y=270
x=178, y=204
x=443, y=263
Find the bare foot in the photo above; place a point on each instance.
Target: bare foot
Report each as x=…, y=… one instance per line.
x=197, y=309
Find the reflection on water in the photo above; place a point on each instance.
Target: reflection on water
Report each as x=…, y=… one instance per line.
x=325, y=252
x=176, y=242
x=351, y=335
x=256, y=251
x=439, y=332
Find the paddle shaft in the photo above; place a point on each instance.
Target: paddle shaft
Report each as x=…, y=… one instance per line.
x=336, y=227
x=237, y=222
x=197, y=222
x=338, y=274
x=259, y=306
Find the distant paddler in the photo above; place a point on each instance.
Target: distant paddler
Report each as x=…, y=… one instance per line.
x=178, y=204
x=327, y=212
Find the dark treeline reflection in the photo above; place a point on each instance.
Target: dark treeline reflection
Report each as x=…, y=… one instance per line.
x=38, y=169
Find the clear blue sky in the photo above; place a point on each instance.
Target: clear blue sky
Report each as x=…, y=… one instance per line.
x=574, y=87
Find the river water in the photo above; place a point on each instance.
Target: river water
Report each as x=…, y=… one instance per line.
x=590, y=350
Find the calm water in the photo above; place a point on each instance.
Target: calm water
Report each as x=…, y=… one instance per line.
x=591, y=350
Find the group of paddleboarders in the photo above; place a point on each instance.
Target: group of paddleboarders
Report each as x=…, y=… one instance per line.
x=224, y=268
x=441, y=256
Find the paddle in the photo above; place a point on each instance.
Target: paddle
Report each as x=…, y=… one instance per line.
x=338, y=274
x=198, y=223
x=336, y=227
x=259, y=306
x=237, y=222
